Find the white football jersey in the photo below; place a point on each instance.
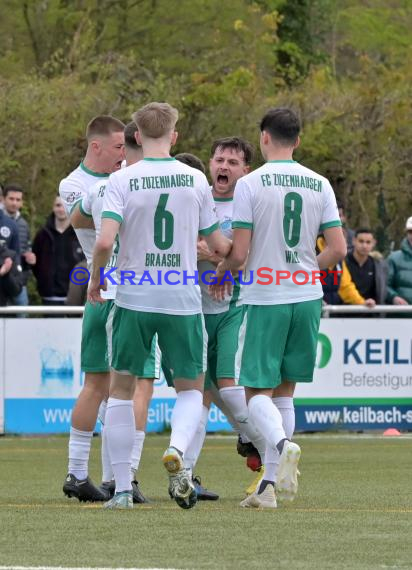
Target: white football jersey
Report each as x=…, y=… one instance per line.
x=92, y=206
x=71, y=191
x=224, y=209
x=162, y=206
x=285, y=205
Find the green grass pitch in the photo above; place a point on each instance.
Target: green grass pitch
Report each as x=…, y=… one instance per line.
x=354, y=510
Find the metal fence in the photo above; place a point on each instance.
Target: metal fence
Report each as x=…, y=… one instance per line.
x=327, y=310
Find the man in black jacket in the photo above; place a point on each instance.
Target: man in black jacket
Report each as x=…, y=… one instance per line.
x=57, y=251
x=13, y=203
x=368, y=274
x=10, y=284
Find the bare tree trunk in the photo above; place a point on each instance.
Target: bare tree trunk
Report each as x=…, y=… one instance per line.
x=32, y=35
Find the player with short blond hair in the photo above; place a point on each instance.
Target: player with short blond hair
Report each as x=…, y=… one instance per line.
x=159, y=207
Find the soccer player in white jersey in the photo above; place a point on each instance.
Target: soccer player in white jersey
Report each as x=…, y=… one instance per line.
x=105, y=152
x=230, y=159
x=278, y=211
x=94, y=342
x=158, y=206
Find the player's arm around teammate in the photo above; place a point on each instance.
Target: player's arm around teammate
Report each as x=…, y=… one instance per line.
x=105, y=151
x=160, y=207
x=279, y=210
x=230, y=159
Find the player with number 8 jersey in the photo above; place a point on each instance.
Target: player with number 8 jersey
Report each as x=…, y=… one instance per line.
x=278, y=211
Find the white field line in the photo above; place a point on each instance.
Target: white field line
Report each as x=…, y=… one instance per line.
x=82, y=568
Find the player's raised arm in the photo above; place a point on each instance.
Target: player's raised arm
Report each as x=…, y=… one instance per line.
x=335, y=249
x=242, y=229
x=218, y=244
x=209, y=226
x=101, y=255
x=112, y=217
x=239, y=252
x=79, y=217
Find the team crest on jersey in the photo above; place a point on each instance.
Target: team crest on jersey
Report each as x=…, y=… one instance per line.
x=226, y=224
x=73, y=196
x=5, y=232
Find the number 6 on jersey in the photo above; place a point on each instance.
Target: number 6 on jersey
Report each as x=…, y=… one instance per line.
x=163, y=224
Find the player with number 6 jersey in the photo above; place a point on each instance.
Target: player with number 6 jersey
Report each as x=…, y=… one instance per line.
x=166, y=203
x=159, y=207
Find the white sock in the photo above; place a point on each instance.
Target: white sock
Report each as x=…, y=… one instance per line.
x=120, y=430
x=185, y=418
x=107, y=469
x=265, y=416
x=219, y=402
x=195, y=447
x=79, y=452
x=287, y=411
x=137, y=451
x=235, y=399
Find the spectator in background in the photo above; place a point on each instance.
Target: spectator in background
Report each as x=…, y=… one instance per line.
x=400, y=271
x=13, y=202
x=1, y=197
x=9, y=234
x=10, y=284
x=339, y=288
x=57, y=252
x=348, y=233
x=368, y=274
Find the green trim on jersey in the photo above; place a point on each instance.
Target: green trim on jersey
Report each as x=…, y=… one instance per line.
x=223, y=199
x=158, y=159
x=112, y=216
x=82, y=211
x=208, y=231
x=242, y=226
x=271, y=161
x=92, y=173
x=74, y=205
x=333, y=224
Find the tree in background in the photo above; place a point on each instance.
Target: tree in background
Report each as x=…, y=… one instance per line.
x=344, y=65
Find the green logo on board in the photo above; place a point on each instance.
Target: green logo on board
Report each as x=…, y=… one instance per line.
x=324, y=351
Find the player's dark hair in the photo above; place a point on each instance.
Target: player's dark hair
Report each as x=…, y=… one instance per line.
x=103, y=125
x=11, y=188
x=191, y=160
x=129, y=136
x=364, y=231
x=236, y=143
x=282, y=124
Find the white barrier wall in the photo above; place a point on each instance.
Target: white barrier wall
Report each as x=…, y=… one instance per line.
x=363, y=378
x=2, y=377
